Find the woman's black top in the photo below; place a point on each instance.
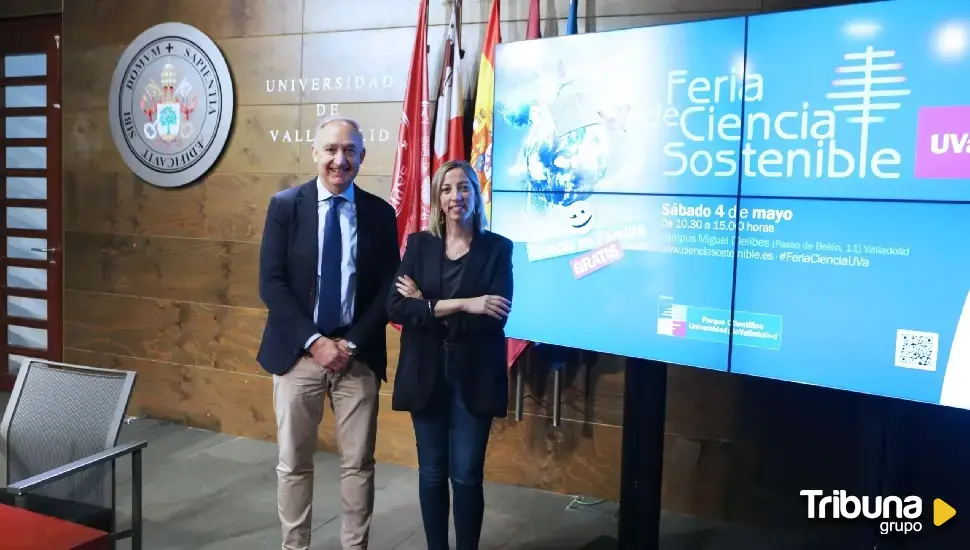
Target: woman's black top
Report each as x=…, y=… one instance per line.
x=451, y=276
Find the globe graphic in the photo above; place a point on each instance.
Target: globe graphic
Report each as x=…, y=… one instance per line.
x=563, y=159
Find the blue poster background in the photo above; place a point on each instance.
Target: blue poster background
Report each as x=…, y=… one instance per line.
x=864, y=276
x=845, y=277
x=626, y=109
x=851, y=275
x=615, y=309
x=916, y=54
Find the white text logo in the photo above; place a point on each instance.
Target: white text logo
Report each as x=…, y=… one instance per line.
x=898, y=514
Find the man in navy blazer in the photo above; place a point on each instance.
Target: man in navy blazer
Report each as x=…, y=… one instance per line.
x=328, y=259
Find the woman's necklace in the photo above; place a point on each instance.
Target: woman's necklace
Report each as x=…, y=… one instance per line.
x=455, y=254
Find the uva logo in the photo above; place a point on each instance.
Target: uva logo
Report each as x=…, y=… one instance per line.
x=942, y=144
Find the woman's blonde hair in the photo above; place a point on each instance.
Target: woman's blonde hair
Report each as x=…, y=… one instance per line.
x=436, y=225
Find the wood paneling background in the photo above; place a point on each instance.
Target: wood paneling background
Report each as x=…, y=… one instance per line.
x=163, y=281
x=21, y=8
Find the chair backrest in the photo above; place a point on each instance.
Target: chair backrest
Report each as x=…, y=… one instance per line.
x=59, y=413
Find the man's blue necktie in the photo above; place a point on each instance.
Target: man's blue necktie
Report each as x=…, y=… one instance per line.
x=329, y=310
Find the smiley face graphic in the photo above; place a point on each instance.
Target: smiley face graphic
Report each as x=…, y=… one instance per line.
x=579, y=216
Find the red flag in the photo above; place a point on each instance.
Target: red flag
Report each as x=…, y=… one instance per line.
x=449, y=139
x=411, y=184
x=514, y=346
x=532, y=31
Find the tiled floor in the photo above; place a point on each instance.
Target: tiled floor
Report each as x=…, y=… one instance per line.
x=204, y=490
x=210, y=491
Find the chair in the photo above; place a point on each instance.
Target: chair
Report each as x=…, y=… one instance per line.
x=59, y=439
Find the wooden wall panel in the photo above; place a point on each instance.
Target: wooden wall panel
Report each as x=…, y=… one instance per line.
x=228, y=207
x=194, y=270
x=327, y=15
x=86, y=22
x=204, y=398
x=251, y=148
x=593, y=390
x=164, y=281
x=788, y=437
x=929, y=456
x=254, y=61
x=184, y=333
x=87, y=143
x=88, y=89
x=367, y=66
x=20, y=8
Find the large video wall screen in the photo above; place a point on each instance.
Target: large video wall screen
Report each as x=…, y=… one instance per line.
x=782, y=195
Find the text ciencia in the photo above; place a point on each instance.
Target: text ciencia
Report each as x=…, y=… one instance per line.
x=815, y=152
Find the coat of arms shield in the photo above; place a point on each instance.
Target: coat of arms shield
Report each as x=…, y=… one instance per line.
x=168, y=121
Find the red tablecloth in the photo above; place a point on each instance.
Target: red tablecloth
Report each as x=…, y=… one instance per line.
x=23, y=530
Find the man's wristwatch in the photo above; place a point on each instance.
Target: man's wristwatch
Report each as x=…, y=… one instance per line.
x=352, y=348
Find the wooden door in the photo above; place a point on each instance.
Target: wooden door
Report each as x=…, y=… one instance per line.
x=30, y=191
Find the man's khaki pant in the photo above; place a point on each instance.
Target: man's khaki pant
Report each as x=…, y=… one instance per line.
x=298, y=399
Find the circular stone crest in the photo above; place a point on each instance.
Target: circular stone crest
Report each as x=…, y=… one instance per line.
x=171, y=104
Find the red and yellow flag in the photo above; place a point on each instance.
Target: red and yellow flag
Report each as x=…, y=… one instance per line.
x=481, y=153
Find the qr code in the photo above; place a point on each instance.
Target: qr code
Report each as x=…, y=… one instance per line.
x=916, y=350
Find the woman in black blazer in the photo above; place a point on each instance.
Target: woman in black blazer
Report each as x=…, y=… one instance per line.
x=453, y=296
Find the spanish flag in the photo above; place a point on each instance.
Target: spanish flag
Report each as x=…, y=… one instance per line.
x=481, y=153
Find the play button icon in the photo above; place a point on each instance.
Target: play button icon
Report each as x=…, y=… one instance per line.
x=942, y=512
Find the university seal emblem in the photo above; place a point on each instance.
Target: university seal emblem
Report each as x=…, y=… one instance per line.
x=171, y=105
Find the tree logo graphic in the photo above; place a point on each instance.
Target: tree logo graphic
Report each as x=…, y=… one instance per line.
x=167, y=118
